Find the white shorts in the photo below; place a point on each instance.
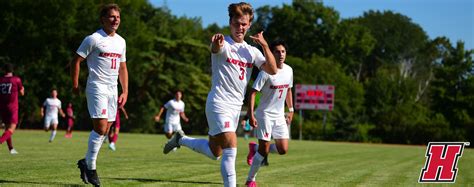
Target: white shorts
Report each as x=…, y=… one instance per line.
x=222, y=122
x=50, y=120
x=172, y=127
x=272, y=127
x=102, y=105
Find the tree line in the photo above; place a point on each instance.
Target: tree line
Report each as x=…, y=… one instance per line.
x=394, y=84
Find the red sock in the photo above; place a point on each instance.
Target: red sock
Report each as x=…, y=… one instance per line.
x=6, y=135
x=9, y=143
x=114, y=139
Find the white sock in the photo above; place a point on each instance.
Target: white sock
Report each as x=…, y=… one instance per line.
x=228, y=167
x=273, y=148
x=95, y=142
x=257, y=161
x=53, y=134
x=198, y=145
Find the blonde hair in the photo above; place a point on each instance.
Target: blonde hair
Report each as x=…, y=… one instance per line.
x=240, y=9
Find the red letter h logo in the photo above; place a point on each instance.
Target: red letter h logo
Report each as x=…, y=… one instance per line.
x=441, y=162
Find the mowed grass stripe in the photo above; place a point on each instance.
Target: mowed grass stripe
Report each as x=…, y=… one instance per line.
x=139, y=161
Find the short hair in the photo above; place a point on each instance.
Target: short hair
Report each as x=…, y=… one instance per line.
x=278, y=42
x=107, y=7
x=240, y=9
x=8, y=68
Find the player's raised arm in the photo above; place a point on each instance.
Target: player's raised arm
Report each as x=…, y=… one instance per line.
x=75, y=69
x=217, y=42
x=270, y=65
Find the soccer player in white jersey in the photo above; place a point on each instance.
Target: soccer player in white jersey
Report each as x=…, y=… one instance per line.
x=232, y=63
x=52, y=105
x=270, y=121
x=174, y=110
x=105, y=54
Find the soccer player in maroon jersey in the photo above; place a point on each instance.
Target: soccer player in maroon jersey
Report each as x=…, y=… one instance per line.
x=70, y=120
x=115, y=128
x=10, y=87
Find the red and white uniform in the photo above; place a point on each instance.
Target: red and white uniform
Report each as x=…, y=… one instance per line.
x=173, y=120
x=231, y=70
x=270, y=112
x=104, y=55
x=52, y=106
x=9, y=89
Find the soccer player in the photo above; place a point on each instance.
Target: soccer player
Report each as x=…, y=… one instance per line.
x=174, y=110
x=10, y=87
x=105, y=54
x=270, y=121
x=232, y=63
x=52, y=105
x=115, y=128
x=70, y=120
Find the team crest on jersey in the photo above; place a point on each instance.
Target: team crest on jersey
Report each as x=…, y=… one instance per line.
x=441, y=162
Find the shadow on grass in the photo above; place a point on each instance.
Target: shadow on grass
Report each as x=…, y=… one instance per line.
x=161, y=180
x=39, y=183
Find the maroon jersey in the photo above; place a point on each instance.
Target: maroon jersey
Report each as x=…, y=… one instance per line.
x=9, y=89
x=69, y=116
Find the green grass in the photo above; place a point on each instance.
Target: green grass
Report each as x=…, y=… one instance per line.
x=139, y=161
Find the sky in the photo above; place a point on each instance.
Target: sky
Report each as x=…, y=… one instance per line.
x=451, y=18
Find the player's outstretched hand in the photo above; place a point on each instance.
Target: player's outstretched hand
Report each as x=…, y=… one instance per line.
x=157, y=118
x=253, y=121
x=217, y=42
x=259, y=39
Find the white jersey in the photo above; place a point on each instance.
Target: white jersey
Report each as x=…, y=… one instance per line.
x=231, y=70
x=274, y=89
x=104, y=55
x=173, y=109
x=52, y=106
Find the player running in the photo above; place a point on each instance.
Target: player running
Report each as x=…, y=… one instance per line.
x=232, y=63
x=270, y=121
x=105, y=54
x=52, y=105
x=115, y=128
x=174, y=110
x=10, y=88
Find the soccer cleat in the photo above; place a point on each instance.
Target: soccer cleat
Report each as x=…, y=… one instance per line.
x=112, y=146
x=92, y=177
x=251, y=184
x=252, y=152
x=82, y=165
x=13, y=152
x=173, y=142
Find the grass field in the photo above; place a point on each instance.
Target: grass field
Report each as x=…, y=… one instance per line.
x=139, y=161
